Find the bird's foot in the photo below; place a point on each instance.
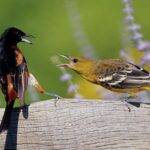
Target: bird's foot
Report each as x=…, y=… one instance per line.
x=127, y=105
x=57, y=97
x=125, y=101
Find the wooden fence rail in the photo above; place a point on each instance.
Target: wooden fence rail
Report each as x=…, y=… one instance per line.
x=78, y=125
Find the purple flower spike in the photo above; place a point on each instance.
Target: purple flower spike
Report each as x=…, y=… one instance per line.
x=137, y=36
x=126, y=1
x=129, y=18
x=72, y=88
x=133, y=27
x=78, y=96
x=143, y=45
x=146, y=59
x=127, y=10
x=65, y=77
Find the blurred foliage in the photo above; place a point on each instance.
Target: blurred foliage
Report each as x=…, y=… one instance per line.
x=49, y=22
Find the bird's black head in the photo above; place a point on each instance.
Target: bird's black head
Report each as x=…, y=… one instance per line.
x=13, y=36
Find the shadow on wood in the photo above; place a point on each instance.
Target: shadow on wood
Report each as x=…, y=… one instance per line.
x=78, y=125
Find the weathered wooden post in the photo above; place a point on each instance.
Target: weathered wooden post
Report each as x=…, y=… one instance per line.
x=78, y=125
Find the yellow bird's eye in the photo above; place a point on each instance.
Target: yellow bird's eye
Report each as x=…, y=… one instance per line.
x=75, y=60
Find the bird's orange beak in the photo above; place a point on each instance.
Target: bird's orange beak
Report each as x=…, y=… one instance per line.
x=64, y=65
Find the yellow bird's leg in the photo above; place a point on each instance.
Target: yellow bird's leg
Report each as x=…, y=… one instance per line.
x=126, y=104
x=125, y=100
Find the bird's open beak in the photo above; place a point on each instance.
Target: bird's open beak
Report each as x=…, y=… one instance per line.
x=23, y=39
x=64, y=65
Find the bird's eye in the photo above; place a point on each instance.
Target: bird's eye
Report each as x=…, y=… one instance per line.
x=17, y=33
x=75, y=60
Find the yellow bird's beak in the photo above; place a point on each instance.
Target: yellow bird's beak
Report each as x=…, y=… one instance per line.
x=64, y=65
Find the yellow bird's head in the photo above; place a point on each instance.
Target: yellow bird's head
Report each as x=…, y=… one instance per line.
x=82, y=65
x=77, y=64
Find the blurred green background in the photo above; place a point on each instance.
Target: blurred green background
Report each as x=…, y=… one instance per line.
x=51, y=23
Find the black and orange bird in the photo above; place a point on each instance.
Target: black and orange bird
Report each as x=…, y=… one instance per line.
x=114, y=74
x=14, y=74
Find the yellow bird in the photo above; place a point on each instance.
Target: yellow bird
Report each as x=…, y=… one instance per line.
x=113, y=74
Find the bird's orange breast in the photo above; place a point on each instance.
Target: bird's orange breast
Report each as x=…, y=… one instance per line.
x=11, y=91
x=19, y=57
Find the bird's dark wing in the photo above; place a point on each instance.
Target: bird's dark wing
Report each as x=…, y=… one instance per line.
x=124, y=75
x=21, y=76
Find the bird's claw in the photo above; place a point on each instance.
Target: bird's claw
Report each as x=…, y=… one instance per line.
x=127, y=105
x=57, y=97
x=125, y=101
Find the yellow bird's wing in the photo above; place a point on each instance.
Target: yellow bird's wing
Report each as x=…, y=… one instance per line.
x=123, y=75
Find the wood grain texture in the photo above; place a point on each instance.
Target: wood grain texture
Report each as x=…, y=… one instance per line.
x=78, y=125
